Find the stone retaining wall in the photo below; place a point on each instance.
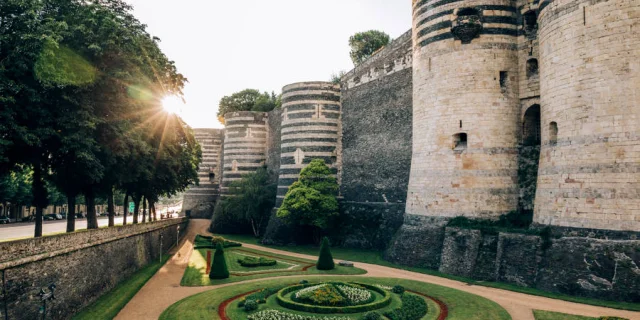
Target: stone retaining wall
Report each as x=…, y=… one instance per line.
x=83, y=265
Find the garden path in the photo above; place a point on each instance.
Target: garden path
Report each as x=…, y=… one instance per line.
x=164, y=289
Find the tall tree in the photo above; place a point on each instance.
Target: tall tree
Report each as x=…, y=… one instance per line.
x=253, y=198
x=365, y=44
x=312, y=200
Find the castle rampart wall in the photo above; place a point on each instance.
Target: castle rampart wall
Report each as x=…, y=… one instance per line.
x=589, y=174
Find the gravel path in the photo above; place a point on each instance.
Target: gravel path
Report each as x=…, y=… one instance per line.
x=164, y=289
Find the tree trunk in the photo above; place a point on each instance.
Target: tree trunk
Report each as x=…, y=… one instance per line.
x=125, y=209
x=39, y=198
x=71, y=214
x=110, y=208
x=90, y=201
x=136, y=208
x=144, y=209
x=55, y=207
x=152, y=210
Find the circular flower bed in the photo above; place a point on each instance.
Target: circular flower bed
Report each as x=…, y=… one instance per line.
x=333, y=297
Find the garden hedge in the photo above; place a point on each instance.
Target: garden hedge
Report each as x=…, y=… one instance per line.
x=288, y=303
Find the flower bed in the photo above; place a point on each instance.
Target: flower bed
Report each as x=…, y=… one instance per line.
x=280, y=315
x=311, y=299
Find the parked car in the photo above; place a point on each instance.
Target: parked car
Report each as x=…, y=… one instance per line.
x=5, y=220
x=64, y=215
x=53, y=216
x=80, y=215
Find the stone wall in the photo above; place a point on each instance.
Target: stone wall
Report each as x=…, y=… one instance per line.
x=465, y=109
x=200, y=199
x=83, y=265
x=376, y=145
x=579, y=266
x=589, y=173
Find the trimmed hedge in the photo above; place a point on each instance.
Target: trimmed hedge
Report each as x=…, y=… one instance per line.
x=207, y=242
x=287, y=303
x=413, y=308
x=219, y=269
x=325, y=260
x=260, y=296
x=252, y=262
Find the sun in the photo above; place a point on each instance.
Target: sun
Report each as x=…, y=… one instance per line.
x=172, y=104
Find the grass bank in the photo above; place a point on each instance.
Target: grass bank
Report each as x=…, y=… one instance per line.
x=375, y=257
x=108, y=306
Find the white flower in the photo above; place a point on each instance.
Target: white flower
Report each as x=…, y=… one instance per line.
x=304, y=291
x=279, y=315
x=388, y=288
x=355, y=295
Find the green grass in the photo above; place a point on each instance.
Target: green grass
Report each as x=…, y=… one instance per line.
x=462, y=305
x=375, y=257
x=548, y=315
x=108, y=306
x=195, y=274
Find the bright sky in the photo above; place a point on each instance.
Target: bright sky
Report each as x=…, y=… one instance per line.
x=224, y=46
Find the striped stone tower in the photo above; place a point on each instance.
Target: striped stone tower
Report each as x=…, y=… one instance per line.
x=245, y=145
x=589, y=174
x=199, y=200
x=310, y=130
x=465, y=111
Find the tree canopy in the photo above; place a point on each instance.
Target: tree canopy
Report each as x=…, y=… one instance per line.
x=248, y=100
x=81, y=85
x=365, y=44
x=312, y=200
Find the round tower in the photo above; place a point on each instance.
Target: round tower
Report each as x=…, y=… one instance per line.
x=245, y=145
x=589, y=175
x=310, y=130
x=465, y=113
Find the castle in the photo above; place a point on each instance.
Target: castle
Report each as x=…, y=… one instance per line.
x=445, y=120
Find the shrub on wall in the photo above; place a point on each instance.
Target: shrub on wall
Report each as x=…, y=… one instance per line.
x=219, y=269
x=325, y=260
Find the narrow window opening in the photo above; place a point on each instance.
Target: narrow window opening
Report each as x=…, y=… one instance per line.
x=504, y=81
x=234, y=166
x=460, y=141
x=530, y=21
x=531, y=126
x=212, y=176
x=553, y=133
x=532, y=67
x=460, y=124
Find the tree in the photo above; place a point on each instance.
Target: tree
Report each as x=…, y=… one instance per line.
x=219, y=269
x=325, y=260
x=337, y=77
x=252, y=199
x=365, y=44
x=248, y=100
x=311, y=201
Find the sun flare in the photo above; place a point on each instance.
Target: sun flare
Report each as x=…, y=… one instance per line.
x=172, y=104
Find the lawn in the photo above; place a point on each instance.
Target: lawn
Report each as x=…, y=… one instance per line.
x=196, y=272
x=461, y=305
x=108, y=306
x=548, y=315
x=375, y=257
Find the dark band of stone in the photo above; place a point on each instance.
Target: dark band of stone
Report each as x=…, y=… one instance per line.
x=248, y=153
x=284, y=140
x=309, y=149
x=291, y=160
x=490, y=31
x=312, y=88
x=310, y=132
x=305, y=124
x=321, y=97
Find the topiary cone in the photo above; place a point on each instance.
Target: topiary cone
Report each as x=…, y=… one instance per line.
x=325, y=260
x=219, y=269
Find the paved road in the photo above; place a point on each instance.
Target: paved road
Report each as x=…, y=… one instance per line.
x=164, y=289
x=25, y=229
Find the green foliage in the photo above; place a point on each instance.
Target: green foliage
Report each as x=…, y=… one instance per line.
x=311, y=201
x=611, y=318
x=260, y=296
x=398, y=289
x=413, y=308
x=365, y=44
x=250, y=305
x=337, y=77
x=513, y=221
x=219, y=269
x=252, y=199
x=248, y=100
x=330, y=301
x=58, y=65
x=252, y=262
x=325, y=260
x=373, y=315
x=303, y=282
x=326, y=295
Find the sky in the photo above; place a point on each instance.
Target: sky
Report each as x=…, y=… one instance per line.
x=224, y=46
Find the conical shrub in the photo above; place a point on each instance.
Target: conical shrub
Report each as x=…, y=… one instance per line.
x=325, y=260
x=219, y=269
